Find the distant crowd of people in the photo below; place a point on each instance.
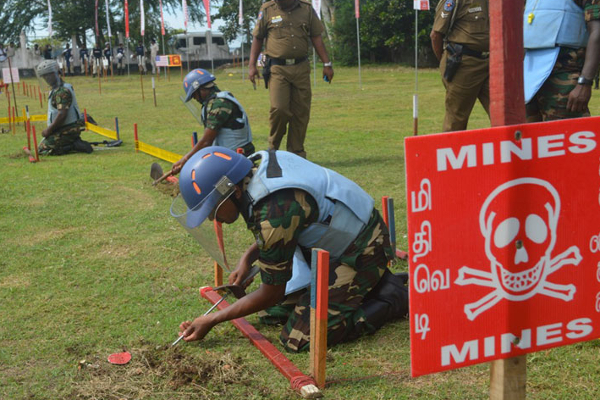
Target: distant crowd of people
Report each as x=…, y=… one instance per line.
x=98, y=60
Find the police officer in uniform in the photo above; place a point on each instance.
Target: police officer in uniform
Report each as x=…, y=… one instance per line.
x=225, y=121
x=286, y=28
x=460, y=40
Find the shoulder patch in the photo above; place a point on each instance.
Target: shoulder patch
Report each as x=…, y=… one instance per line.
x=260, y=14
x=449, y=5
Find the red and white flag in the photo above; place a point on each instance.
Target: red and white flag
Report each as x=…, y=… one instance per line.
x=107, y=18
x=357, y=8
x=126, y=19
x=421, y=5
x=207, y=7
x=185, y=13
x=49, y=19
x=143, y=19
x=241, y=14
x=317, y=6
x=162, y=19
x=97, y=31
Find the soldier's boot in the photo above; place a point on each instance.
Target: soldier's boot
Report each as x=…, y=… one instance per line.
x=392, y=290
x=82, y=146
x=386, y=302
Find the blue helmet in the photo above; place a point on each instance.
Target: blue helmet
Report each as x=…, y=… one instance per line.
x=208, y=178
x=194, y=80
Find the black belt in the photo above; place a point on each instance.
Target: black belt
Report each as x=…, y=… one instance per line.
x=287, y=61
x=473, y=53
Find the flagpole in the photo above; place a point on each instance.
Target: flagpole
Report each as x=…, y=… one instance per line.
x=358, y=43
x=416, y=96
x=241, y=23
x=243, y=78
x=314, y=68
x=316, y=4
x=164, y=53
x=126, y=12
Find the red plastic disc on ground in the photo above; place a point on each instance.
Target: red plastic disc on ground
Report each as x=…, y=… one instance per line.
x=120, y=358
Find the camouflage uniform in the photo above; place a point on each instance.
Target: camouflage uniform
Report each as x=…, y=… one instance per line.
x=277, y=222
x=59, y=141
x=222, y=113
x=550, y=102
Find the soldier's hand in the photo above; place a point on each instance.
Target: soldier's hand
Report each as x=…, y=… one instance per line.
x=197, y=329
x=178, y=165
x=45, y=132
x=579, y=98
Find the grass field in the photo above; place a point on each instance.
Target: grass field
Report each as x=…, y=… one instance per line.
x=92, y=263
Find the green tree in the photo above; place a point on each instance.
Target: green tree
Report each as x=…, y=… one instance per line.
x=387, y=31
x=229, y=13
x=77, y=17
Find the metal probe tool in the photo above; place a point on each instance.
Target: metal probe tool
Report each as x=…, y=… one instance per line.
x=237, y=290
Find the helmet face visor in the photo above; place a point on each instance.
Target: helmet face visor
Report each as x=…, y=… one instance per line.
x=204, y=233
x=195, y=111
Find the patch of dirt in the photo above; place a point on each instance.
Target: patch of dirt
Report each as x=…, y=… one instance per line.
x=170, y=189
x=162, y=371
x=20, y=154
x=15, y=281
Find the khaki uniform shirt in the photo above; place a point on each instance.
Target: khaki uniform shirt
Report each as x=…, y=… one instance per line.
x=471, y=22
x=287, y=34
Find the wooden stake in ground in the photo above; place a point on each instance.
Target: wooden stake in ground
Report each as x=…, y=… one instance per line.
x=218, y=268
x=99, y=81
x=391, y=223
x=142, y=86
x=319, y=304
x=37, y=156
x=154, y=90
x=12, y=82
x=135, y=136
x=507, y=107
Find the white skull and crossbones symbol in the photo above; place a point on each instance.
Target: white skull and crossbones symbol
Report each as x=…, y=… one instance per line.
x=518, y=221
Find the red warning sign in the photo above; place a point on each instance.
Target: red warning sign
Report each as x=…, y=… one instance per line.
x=504, y=238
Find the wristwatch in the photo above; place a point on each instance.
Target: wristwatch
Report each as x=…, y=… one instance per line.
x=329, y=64
x=584, y=81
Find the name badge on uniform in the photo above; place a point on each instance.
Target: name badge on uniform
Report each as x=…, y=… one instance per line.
x=276, y=19
x=475, y=9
